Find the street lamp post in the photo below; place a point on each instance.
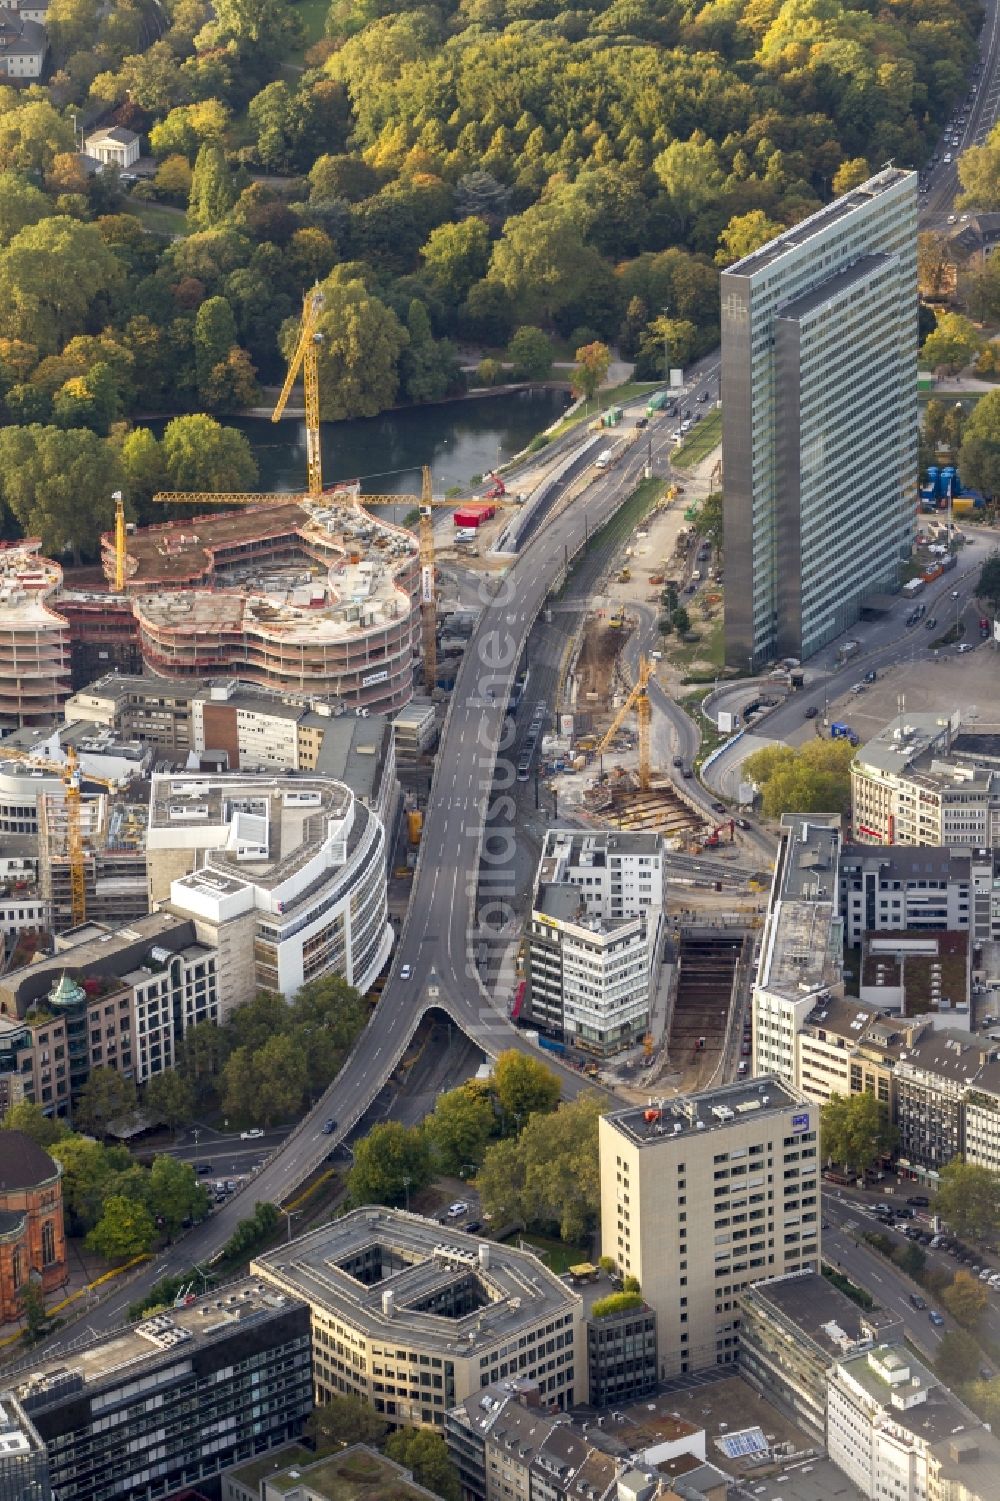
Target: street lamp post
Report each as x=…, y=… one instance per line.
x=291, y=1214
x=666, y=348
x=406, y=1191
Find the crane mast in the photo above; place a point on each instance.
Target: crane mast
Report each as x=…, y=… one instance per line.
x=638, y=699
x=306, y=359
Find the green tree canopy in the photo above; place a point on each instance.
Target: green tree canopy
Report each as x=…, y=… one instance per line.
x=345, y=1420
x=954, y=344
x=531, y=353
x=21, y=204
x=743, y=234
x=456, y=257
x=966, y=1299
x=107, y=1096
x=212, y=191
x=391, y=1163
x=549, y=1174
x=28, y=1117
x=690, y=172
x=175, y=1194
x=979, y=455
x=459, y=1128
x=958, y=1358
x=170, y=1096
x=543, y=261
x=523, y=1086
x=200, y=454
x=425, y=1455
x=54, y=274
x=812, y=778
x=855, y=1130
x=125, y=1229
x=359, y=356
x=591, y=369
x=979, y=174
x=968, y=1199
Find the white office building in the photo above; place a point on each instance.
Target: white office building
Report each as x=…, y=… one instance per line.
x=594, y=937
x=286, y=875
x=897, y=1433
x=819, y=342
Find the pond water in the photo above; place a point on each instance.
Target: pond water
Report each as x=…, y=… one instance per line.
x=456, y=438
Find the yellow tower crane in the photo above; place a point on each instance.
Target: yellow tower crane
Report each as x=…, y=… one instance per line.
x=306, y=359
x=638, y=700
x=428, y=568
x=428, y=582
x=119, y=541
x=70, y=775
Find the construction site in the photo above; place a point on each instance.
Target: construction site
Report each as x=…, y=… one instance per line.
x=712, y=968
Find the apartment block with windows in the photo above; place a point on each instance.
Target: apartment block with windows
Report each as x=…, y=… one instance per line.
x=819, y=335
x=895, y=1431
x=155, y=1409
x=793, y=1328
x=121, y=999
x=285, y=873
x=921, y=782
x=734, y=1169
x=888, y=888
x=594, y=937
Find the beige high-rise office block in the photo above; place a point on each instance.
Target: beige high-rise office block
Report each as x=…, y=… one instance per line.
x=701, y=1197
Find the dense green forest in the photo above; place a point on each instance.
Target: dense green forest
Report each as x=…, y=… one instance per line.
x=452, y=174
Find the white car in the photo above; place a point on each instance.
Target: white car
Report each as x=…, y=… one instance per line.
x=406, y=972
x=965, y=646
x=252, y=1135
x=986, y=1273
x=456, y=1210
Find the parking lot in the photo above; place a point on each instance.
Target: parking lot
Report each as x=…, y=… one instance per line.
x=926, y=684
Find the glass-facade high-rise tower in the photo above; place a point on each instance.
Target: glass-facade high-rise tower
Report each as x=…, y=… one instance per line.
x=819, y=421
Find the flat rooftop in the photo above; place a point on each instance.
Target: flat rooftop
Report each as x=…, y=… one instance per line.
x=395, y=1275
x=940, y=1416
x=162, y=1337
x=801, y=947
x=354, y=1471
x=843, y=1016
x=905, y=862
x=820, y=1311
x=711, y=1110
x=858, y=198
x=254, y=829
x=906, y=737
x=178, y=550
x=841, y=281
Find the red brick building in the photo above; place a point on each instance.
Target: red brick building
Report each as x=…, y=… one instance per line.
x=32, y=1238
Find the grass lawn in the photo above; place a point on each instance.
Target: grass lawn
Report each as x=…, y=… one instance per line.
x=710, y=649
x=556, y=1254
x=312, y=14
x=706, y=436
x=159, y=218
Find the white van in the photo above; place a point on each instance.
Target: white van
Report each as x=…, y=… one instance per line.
x=604, y=459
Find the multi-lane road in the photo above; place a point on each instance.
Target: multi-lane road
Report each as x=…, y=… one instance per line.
x=981, y=111
x=847, y=1217
x=434, y=962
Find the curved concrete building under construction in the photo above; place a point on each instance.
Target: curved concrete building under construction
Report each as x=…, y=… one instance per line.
x=34, y=638
x=300, y=595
